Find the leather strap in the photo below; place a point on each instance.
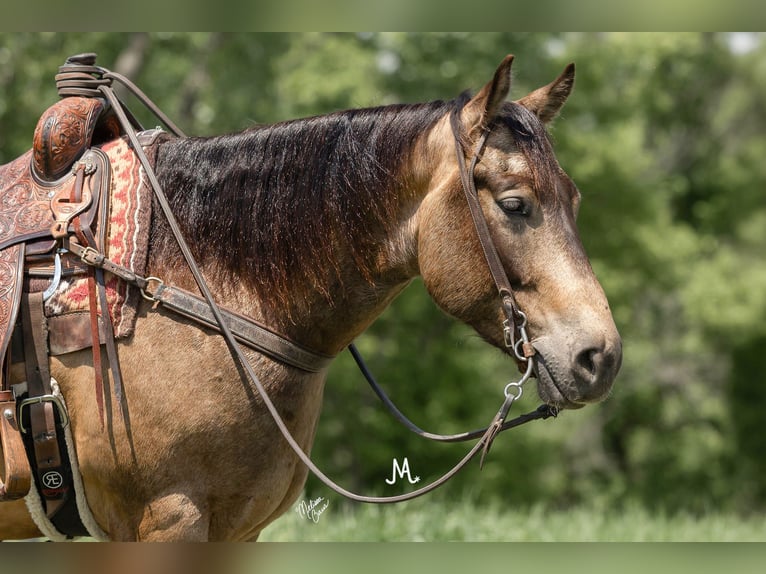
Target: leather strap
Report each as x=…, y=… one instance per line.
x=80, y=232
x=95, y=258
x=496, y=269
x=85, y=232
x=245, y=330
x=111, y=346
x=97, y=285
x=48, y=467
x=95, y=343
x=18, y=475
x=542, y=412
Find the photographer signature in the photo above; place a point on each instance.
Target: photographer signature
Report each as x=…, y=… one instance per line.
x=312, y=509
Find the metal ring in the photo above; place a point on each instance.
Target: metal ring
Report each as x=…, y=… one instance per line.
x=524, y=378
x=145, y=294
x=515, y=384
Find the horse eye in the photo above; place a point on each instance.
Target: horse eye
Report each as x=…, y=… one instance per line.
x=513, y=205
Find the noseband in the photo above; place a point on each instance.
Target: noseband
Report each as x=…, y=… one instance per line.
x=514, y=322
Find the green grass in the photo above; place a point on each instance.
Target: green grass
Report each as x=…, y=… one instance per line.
x=427, y=520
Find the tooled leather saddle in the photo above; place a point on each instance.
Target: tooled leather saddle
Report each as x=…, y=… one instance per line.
x=57, y=189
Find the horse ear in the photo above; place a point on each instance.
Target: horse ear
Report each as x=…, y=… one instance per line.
x=546, y=102
x=480, y=110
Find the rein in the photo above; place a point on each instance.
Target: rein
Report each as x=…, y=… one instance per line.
x=542, y=412
x=92, y=80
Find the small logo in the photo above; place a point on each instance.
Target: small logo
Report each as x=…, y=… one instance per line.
x=400, y=471
x=52, y=479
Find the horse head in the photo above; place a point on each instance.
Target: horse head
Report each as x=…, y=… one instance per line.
x=530, y=206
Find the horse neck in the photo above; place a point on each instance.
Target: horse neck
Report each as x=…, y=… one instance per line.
x=319, y=278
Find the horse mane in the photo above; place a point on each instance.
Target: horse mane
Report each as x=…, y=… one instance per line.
x=276, y=205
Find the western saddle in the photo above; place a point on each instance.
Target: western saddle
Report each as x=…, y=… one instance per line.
x=56, y=191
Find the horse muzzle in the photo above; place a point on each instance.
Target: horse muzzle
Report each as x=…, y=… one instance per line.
x=572, y=376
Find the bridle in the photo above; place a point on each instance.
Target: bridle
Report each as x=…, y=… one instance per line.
x=515, y=321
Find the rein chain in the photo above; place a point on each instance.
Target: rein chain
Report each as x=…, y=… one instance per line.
x=94, y=81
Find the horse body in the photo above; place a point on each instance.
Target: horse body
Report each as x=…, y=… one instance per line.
x=312, y=227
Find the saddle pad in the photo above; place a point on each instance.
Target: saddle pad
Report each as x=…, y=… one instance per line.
x=127, y=242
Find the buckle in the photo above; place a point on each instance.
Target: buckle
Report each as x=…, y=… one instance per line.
x=90, y=256
x=43, y=399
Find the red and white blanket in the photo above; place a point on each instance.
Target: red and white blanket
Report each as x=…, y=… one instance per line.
x=127, y=242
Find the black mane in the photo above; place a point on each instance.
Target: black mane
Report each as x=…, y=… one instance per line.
x=274, y=203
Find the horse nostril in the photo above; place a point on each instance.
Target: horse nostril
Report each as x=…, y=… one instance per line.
x=588, y=360
x=596, y=366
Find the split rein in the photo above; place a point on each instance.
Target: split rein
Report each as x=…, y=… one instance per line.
x=93, y=81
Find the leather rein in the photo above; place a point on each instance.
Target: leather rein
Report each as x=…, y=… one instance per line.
x=235, y=329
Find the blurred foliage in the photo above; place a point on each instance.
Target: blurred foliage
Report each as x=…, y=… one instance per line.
x=664, y=134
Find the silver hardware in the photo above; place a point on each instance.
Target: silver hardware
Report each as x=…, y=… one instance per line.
x=91, y=256
x=145, y=293
x=48, y=293
x=513, y=385
x=508, y=331
x=44, y=399
x=86, y=164
x=517, y=384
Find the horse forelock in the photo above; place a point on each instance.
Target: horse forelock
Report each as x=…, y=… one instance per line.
x=531, y=139
x=280, y=205
x=534, y=142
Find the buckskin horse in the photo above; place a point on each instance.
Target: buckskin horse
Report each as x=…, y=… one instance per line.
x=312, y=227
